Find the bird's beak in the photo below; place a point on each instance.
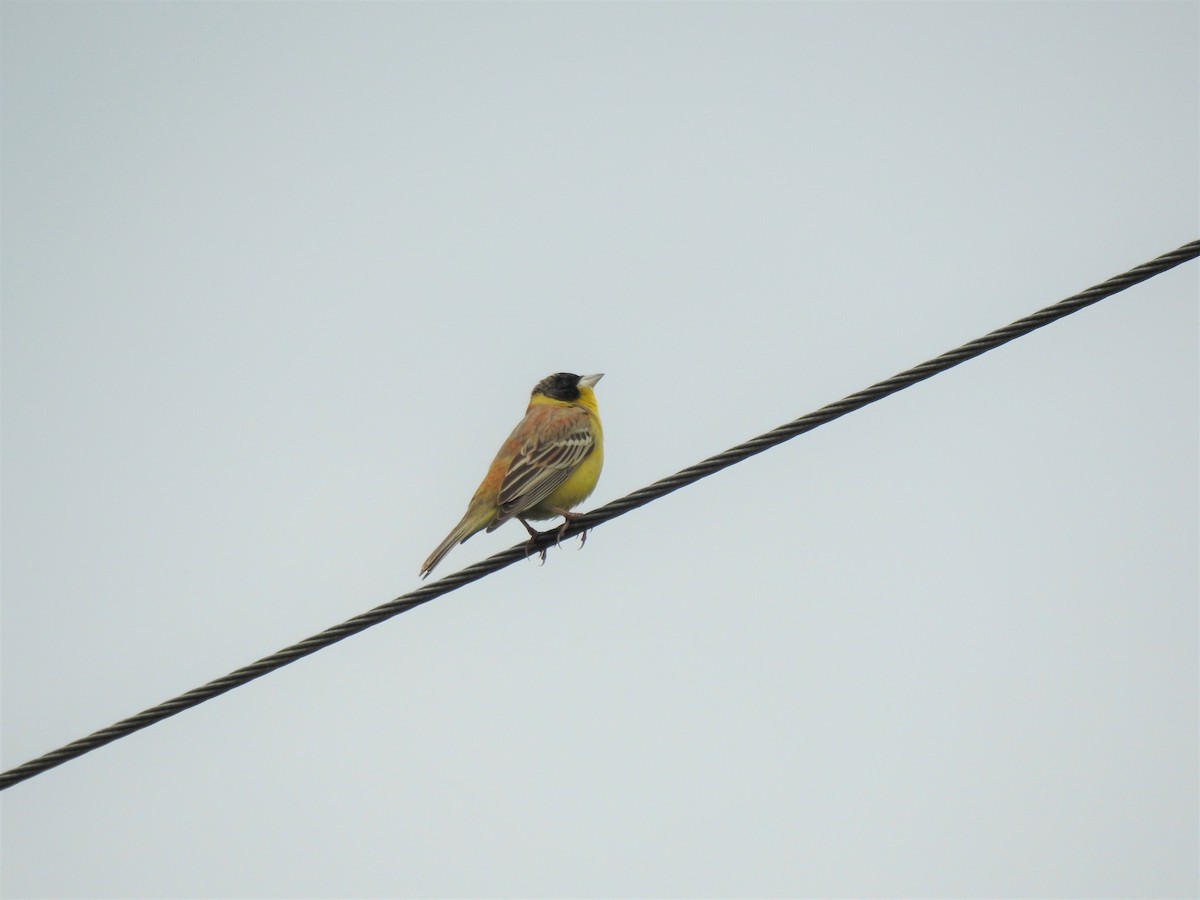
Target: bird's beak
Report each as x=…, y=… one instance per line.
x=590, y=380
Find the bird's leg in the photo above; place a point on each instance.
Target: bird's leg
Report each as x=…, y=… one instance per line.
x=568, y=518
x=534, y=534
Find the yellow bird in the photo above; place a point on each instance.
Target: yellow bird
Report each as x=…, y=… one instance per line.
x=549, y=464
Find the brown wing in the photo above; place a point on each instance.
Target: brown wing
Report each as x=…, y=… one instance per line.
x=560, y=440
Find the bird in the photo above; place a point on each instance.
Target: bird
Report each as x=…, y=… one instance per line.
x=549, y=464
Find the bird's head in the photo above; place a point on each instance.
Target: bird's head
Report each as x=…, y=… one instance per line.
x=566, y=388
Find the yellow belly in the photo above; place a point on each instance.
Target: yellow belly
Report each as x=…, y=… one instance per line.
x=574, y=490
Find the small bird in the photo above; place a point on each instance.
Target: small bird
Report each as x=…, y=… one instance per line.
x=549, y=464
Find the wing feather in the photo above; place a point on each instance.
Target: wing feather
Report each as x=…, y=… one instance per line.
x=557, y=447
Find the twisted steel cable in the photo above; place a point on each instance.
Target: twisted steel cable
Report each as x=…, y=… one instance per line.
x=602, y=514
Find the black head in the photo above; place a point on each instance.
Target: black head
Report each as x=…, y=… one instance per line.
x=563, y=386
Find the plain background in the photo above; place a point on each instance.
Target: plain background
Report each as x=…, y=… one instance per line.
x=277, y=279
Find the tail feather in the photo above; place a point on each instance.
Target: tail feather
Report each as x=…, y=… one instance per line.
x=463, y=530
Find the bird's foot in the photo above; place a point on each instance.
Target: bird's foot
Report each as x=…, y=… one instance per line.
x=568, y=519
x=530, y=549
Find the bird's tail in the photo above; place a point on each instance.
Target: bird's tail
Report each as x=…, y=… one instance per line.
x=463, y=530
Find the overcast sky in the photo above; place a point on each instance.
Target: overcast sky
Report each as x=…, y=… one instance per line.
x=277, y=280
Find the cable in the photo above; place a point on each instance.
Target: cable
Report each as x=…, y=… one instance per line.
x=597, y=516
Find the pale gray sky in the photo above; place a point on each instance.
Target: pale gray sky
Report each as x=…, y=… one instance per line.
x=277, y=279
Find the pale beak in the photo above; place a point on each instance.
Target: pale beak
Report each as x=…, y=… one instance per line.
x=590, y=380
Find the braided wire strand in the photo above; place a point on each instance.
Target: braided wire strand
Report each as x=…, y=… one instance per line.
x=612, y=510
